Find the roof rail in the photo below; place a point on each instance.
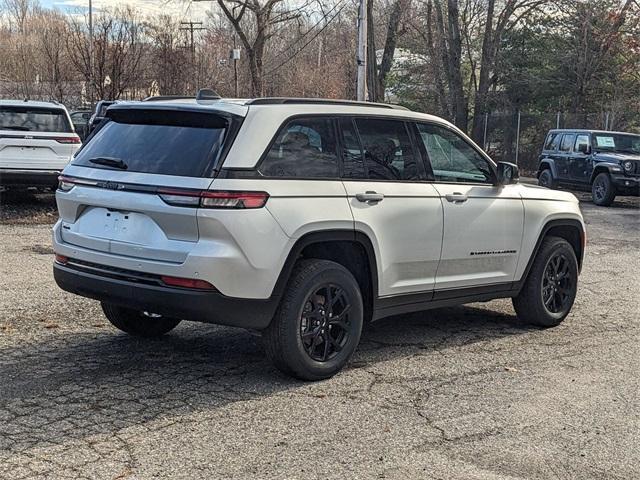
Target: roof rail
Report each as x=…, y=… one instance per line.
x=160, y=98
x=319, y=101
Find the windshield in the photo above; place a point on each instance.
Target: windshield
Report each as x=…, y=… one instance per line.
x=162, y=142
x=616, y=142
x=32, y=119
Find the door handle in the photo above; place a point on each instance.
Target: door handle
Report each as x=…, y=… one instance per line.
x=370, y=197
x=456, y=197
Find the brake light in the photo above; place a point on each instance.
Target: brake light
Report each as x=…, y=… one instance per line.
x=213, y=199
x=234, y=199
x=67, y=140
x=187, y=283
x=65, y=183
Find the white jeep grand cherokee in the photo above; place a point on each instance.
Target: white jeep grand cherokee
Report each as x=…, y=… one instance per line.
x=37, y=140
x=303, y=219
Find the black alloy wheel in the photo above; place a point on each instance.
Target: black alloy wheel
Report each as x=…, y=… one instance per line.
x=551, y=286
x=557, y=284
x=325, y=323
x=318, y=323
x=603, y=191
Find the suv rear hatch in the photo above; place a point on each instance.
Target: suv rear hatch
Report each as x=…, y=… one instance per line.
x=124, y=191
x=35, y=138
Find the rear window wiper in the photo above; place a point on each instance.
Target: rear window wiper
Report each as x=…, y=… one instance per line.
x=110, y=162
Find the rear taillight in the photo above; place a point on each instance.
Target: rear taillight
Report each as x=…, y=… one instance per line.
x=213, y=199
x=234, y=199
x=67, y=183
x=61, y=259
x=66, y=140
x=187, y=283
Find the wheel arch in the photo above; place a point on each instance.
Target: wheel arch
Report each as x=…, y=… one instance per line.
x=547, y=163
x=602, y=168
x=571, y=230
x=352, y=249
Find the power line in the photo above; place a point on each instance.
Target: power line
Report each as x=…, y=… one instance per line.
x=344, y=4
x=192, y=27
x=305, y=33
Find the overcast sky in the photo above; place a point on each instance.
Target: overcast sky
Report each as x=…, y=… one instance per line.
x=180, y=9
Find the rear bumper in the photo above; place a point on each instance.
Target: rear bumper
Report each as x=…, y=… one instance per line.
x=29, y=178
x=199, y=306
x=626, y=185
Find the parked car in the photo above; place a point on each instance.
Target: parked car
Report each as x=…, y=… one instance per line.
x=99, y=113
x=37, y=140
x=303, y=219
x=607, y=163
x=80, y=119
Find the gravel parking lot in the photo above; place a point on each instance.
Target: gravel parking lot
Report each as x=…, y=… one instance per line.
x=463, y=392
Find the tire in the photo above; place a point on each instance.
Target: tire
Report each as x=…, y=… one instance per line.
x=547, y=297
x=545, y=179
x=307, y=340
x=137, y=323
x=603, y=191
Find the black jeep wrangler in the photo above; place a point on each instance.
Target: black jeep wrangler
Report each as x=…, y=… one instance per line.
x=607, y=162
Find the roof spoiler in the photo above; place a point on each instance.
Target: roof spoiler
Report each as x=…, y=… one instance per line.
x=203, y=94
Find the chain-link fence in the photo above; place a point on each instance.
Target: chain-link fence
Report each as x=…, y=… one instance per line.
x=518, y=137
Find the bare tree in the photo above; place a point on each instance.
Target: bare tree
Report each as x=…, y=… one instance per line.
x=168, y=57
x=19, y=11
x=497, y=23
x=51, y=35
x=117, y=53
x=254, y=32
x=377, y=74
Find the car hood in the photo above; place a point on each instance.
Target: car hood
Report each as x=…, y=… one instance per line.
x=615, y=157
x=534, y=192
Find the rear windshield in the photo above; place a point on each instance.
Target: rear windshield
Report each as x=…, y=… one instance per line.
x=32, y=119
x=162, y=142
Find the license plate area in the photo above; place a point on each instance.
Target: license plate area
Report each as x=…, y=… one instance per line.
x=130, y=227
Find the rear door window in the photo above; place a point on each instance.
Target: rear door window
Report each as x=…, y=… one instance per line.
x=166, y=142
x=553, y=142
x=582, y=143
x=304, y=148
x=388, y=153
x=567, y=142
x=352, y=156
x=34, y=119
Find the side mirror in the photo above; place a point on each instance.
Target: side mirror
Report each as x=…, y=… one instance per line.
x=508, y=173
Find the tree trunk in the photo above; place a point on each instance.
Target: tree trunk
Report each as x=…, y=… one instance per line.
x=390, y=45
x=441, y=97
x=486, y=65
x=456, y=91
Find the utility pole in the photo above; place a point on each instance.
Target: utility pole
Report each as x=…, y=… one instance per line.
x=361, y=56
x=192, y=27
x=91, y=99
x=235, y=55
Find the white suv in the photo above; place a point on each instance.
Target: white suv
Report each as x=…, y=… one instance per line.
x=37, y=140
x=303, y=219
